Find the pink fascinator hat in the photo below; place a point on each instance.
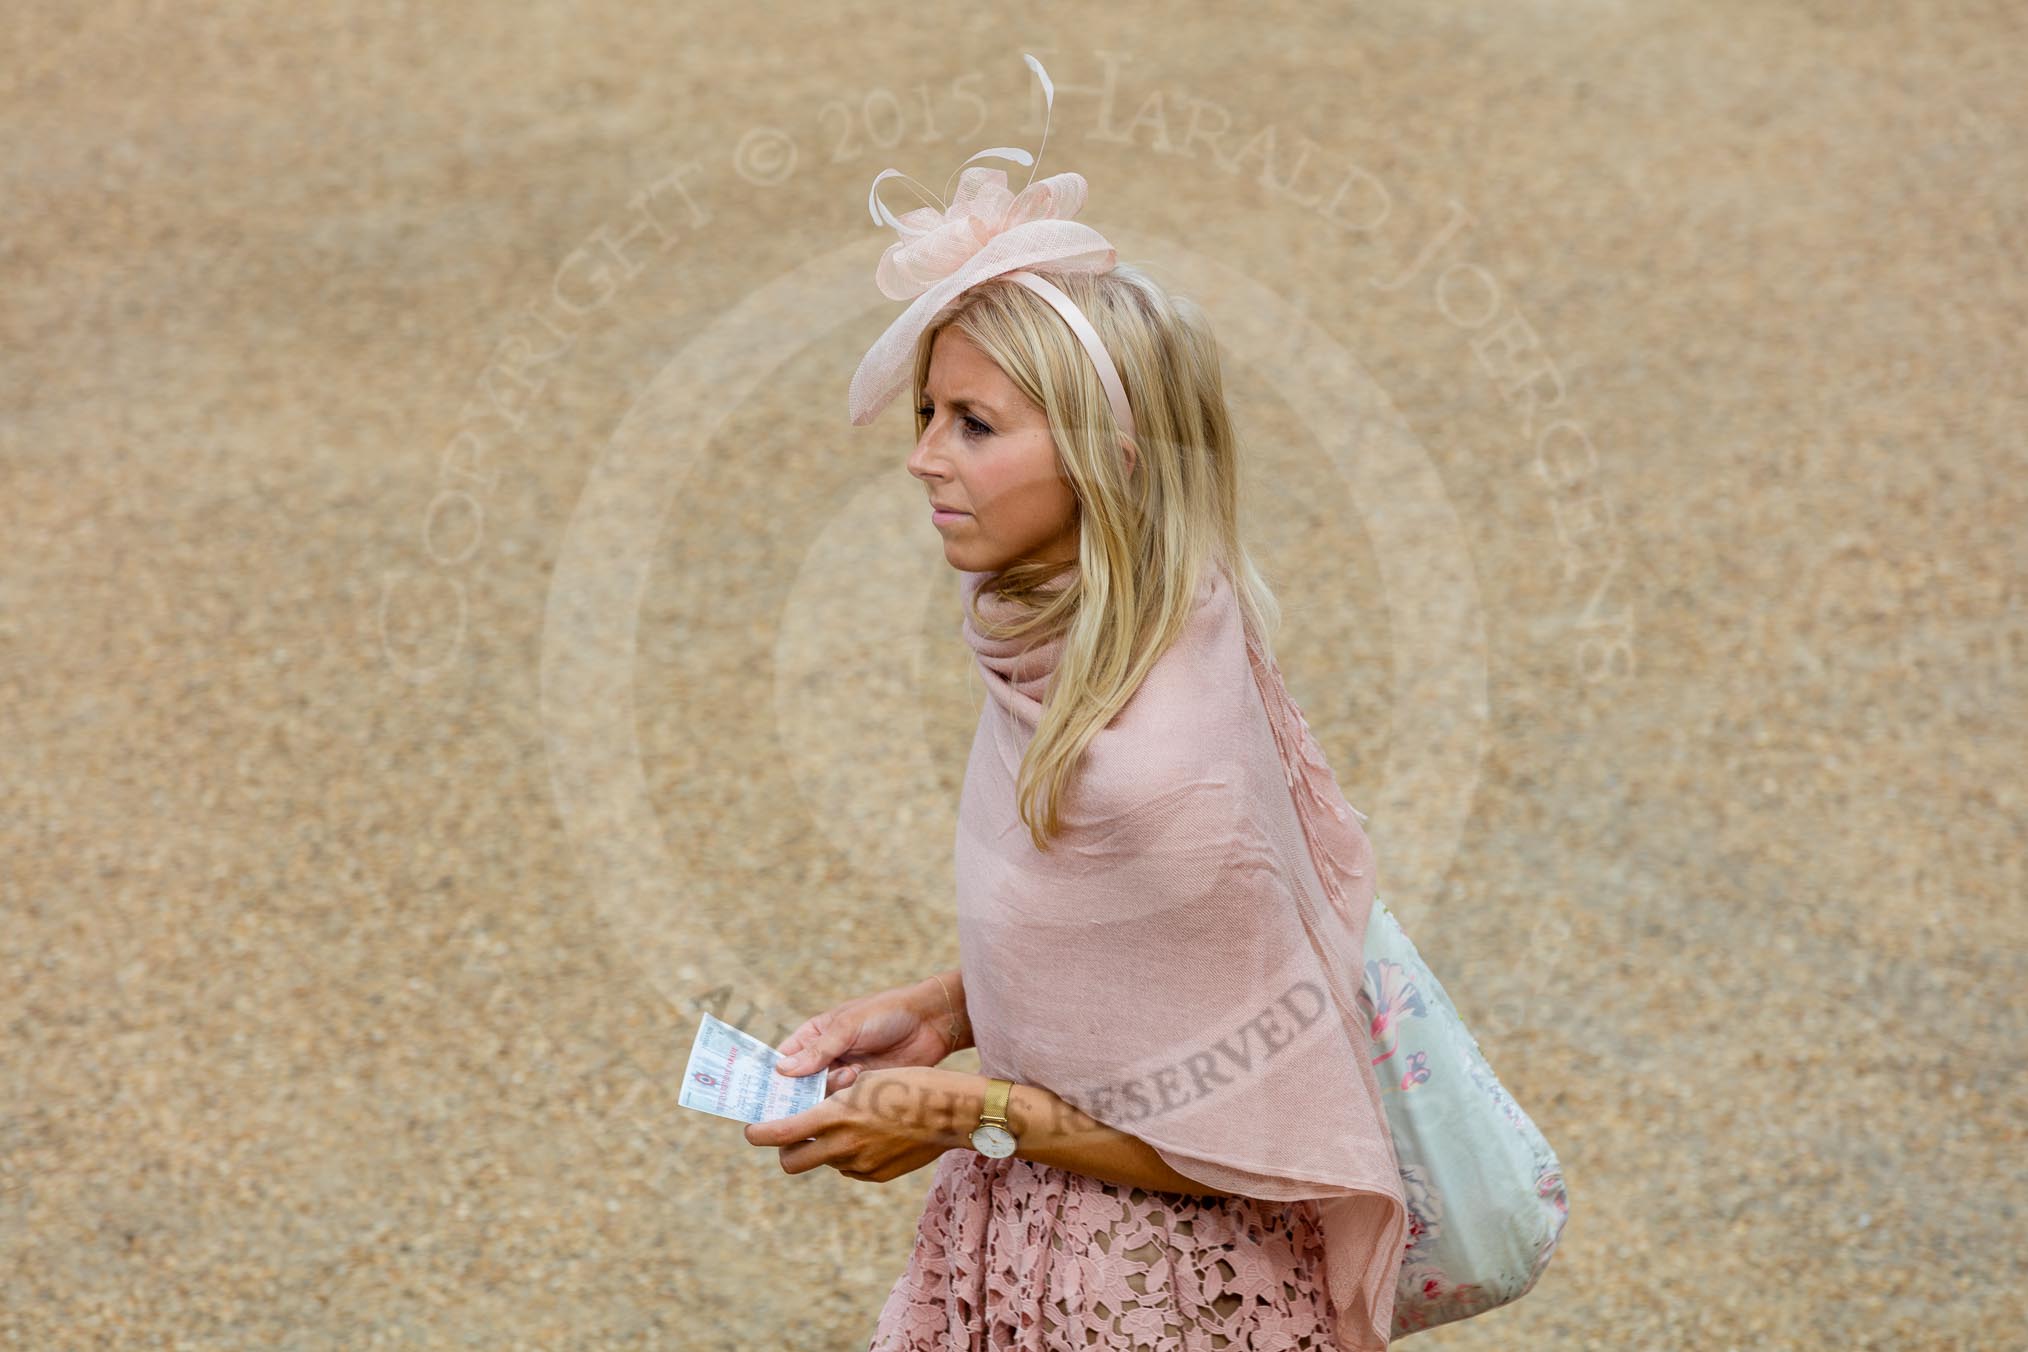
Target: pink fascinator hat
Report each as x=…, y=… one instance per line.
x=987, y=230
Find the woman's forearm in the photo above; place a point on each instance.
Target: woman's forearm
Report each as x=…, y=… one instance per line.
x=1050, y=1129
x=1053, y=1131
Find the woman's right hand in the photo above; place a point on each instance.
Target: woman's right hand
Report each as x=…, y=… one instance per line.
x=904, y=1026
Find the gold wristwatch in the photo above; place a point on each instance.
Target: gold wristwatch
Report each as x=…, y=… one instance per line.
x=994, y=1136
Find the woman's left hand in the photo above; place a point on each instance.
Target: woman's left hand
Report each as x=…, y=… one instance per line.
x=888, y=1122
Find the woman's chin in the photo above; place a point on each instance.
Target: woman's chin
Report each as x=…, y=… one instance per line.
x=967, y=557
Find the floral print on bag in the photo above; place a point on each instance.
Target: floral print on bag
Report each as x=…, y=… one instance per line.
x=1485, y=1193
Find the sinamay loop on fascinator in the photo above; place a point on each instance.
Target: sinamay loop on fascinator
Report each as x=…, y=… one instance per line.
x=987, y=230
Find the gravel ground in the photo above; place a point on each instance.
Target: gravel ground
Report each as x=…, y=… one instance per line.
x=449, y=634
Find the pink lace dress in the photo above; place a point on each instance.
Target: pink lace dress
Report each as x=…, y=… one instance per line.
x=1015, y=1256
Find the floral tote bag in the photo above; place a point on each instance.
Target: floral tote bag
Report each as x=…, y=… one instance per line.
x=1486, y=1200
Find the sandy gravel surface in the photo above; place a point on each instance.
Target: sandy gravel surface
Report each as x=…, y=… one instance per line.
x=449, y=635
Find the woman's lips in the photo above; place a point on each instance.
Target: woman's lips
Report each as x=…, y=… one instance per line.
x=940, y=518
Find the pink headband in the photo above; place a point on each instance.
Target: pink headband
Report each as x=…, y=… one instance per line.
x=985, y=231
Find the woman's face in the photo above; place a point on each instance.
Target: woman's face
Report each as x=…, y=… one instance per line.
x=987, y=455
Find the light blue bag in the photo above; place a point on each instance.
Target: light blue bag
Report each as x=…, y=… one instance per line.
x=1486, y=1200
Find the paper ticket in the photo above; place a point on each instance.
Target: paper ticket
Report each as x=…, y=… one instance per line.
x=732, y=1074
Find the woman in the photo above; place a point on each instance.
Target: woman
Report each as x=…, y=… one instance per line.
x=1161, y=892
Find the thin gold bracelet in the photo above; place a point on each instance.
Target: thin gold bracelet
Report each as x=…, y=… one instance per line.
x=953, y=1008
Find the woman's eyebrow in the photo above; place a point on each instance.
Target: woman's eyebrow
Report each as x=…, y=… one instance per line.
x=969, y=405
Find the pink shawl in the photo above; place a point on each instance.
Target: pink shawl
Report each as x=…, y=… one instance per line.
x=1184, y=962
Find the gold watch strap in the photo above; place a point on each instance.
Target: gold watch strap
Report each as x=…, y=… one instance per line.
x=994, y=1109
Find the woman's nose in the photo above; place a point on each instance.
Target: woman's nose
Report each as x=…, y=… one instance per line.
x=925, y=459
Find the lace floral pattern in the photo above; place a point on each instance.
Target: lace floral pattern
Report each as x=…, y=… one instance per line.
x=1015, y=1256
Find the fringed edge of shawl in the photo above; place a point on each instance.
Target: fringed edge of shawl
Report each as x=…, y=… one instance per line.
x=1320, y=786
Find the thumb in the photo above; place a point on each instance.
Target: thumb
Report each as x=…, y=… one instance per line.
x=810, y=1059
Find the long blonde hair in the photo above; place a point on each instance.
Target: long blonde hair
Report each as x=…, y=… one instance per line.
x=1143, y=538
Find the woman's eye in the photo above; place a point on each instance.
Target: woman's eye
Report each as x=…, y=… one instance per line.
x=973, y=427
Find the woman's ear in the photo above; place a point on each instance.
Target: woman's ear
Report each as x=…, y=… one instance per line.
x=1127, y=449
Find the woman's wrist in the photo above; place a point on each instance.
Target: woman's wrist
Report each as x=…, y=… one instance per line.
x=943, y=998
x=941, y=1108
x=1050, y=1130
x=960, y=1098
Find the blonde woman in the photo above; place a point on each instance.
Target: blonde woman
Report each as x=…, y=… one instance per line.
x=1175, y=1138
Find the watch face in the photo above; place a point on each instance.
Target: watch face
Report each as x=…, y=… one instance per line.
x=992, y=1141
